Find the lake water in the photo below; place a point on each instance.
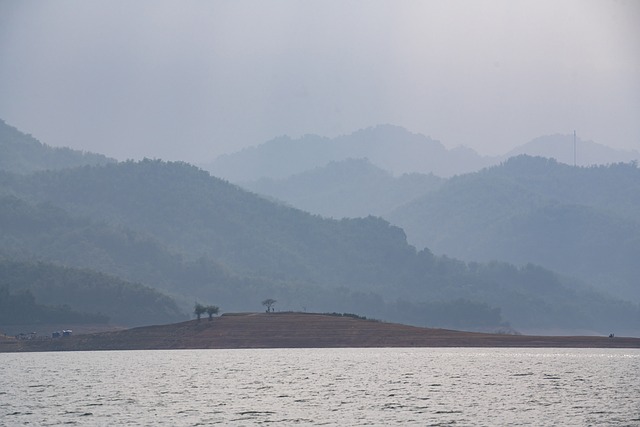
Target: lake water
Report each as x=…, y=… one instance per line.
x=323, y=387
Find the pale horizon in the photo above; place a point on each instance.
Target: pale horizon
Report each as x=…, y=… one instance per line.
x=191, y=81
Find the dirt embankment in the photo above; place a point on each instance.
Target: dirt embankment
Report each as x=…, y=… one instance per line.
x=296, y=330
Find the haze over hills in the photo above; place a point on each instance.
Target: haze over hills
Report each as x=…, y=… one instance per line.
x=348, y=188
x=362, y=265
x=357, y=187
x=173, y=227
x=24, y=154
x=561, y=148
x=391, y=148
x=395, y=150
x=580, y=221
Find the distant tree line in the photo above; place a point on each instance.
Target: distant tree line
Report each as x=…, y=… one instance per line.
x=20, y=308
x=86, y=291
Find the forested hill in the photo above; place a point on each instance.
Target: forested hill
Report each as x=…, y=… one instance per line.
x=23, y=153
x=173, y=226
x=198, y=215
x=580, y=221
x=37, y=292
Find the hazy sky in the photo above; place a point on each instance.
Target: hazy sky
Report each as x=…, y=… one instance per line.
x=190, y=80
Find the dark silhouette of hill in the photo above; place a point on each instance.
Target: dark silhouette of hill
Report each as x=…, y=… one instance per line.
x=391, y=148
x=23, y=153
x=348, y=188
x=579, y=221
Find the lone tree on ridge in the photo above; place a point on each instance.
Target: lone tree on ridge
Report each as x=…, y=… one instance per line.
x=211, y=310
x=199, y=310
x=269, y=304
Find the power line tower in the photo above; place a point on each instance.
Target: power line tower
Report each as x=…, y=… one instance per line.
x=574, y=148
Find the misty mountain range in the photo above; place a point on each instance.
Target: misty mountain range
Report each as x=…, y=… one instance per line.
x=396, y=150
x=561, y=148
x=391, y=148
x=582, y=222
x=173, y=234
x=502, y=212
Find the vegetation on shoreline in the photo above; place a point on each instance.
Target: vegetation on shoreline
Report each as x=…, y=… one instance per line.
x=20, y=307
x=96, y=296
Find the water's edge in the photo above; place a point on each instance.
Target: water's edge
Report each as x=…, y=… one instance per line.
x=298, y=330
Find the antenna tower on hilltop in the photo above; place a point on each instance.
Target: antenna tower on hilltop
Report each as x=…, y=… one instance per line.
x=574, y=148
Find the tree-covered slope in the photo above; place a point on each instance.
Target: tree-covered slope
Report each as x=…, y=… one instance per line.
x=198, y=215
x=172, y=226
x=43, y=231
x=578, y=221
x=21, y=308
x=100, y=296
x=48, y=233
x=349, y=188
x=23, y=153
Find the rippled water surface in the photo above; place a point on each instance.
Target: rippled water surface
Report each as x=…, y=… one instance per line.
x=322, y=387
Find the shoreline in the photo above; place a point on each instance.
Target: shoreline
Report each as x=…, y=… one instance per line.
x=297, y=330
